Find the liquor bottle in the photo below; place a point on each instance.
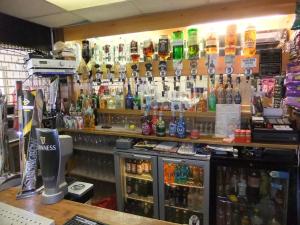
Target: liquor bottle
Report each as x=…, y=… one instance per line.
x=211, y=44
x=134, y=51
x=146, y=124
x=163, y=47
x=249, y=49
x=237, y=92
x=230, y=40
x=193, y=46
x=148, y=49
x=160, y=126
x=221, y=91
x=129, y=99
x=137, y=101
x=212, y=100
x=202, y=105
x=172, y=125
x=253, y=186
x=229, y=94
x=119, y=99
x=177, y=43
x=80, y=100
x=154, y=121
x=104, y=99
x=111, y=102
x=181, y=126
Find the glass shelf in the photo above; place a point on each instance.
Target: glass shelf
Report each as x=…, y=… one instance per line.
x=139, y=177
x=182, y=208
x=140, y=198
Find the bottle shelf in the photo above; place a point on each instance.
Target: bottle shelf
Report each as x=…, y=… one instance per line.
x=202, y=140
x=182, y=208
x=140, y=177
x=185, y=185
x=99, y=178
x=246, y=113
x=93, y=149
x=139, y=198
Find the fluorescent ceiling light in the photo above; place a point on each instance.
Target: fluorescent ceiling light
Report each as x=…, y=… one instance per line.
x=70, y=5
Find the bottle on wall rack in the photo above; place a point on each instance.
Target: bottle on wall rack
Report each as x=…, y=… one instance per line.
x=129, y=98
x=181, y=126
x=160, y=126
x=172, y=125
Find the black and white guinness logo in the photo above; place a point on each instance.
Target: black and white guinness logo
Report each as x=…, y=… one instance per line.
x=43, y=140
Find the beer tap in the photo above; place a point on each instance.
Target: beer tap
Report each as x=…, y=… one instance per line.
x=149, y=74
x=135, y=72
x=110, y=73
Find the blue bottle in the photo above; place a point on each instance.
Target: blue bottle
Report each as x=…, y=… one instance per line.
x=181, y=126
x=172, y=125
x=129, y=99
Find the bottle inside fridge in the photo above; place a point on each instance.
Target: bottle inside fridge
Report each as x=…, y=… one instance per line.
x=251, y=196
x=184, y=196
x=137, y=182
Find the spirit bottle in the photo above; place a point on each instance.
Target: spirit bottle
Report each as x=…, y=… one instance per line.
x=111, y=102
x=160, y=126
x=202, y=105
x=119, y=99
x=79, y=103
x=154, y=121
x=104, y=99
x=193, y=47
x=95, y=105
x=181, y=126
x=237, y=93
x=249, y=49
x=137, y=101
x=177, y=45
x=221, y=91
x=230, y=40
x=211, y=44
x=134, y=51
x=212, y=100
x=229, y=92
x=146, y=124
x=148, y=49
x=172, y=125
x=163, y=47
x=129, y=99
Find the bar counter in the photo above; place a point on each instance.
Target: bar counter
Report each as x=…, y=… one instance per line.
x=64, y=210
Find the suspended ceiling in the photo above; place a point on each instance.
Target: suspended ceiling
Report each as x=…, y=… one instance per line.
x=50, y=15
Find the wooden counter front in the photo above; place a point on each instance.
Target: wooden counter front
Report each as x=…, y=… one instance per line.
x=65, y=210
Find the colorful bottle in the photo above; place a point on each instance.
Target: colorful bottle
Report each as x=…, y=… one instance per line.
x=148, y=49
x=237, y=92
x=119, y=99
x=134, y=51
x=172, y=125
x=212, y=101
x=154, y=121
x=163, y=47
x=181, y=126
x=111, y=102
x=249, y=49
x=129, y=99
x=221, y=91
x=160, y=126
x=211, y=44
x=146, y=124
x=231, y=40
x=193, y=46
x=177, y=39
x=202, y=105
x=137, y=101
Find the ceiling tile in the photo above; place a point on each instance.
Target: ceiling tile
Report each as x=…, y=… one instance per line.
x=58, y=20
x=108, y=12
x=152, y=6
x=28, y=8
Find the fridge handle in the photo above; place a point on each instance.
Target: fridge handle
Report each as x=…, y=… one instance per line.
x=173, y=160
x=142, y=156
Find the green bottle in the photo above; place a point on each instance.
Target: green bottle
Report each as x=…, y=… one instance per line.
x=160, y=126
x=193, y=47
x=212, y=100
x=137, y=101
x=177, y=39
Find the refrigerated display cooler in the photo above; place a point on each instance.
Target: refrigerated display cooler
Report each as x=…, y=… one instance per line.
x=165, y=186
x=259, y=190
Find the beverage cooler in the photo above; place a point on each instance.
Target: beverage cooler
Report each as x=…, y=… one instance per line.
x=184, y=190
x=136, y=184
x=259, y=191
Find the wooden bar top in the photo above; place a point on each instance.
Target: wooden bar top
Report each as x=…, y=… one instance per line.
x=65, y=210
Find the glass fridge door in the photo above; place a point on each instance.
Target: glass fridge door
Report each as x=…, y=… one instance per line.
x=251, y=196
x=184, y=191
x=137, y=184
